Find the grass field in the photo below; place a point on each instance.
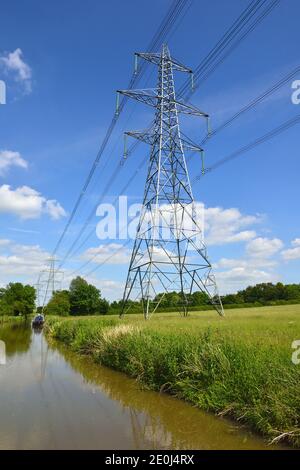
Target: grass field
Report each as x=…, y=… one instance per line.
x=240, y=365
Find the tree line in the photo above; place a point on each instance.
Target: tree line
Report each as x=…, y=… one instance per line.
x=260, y=294
x=264, y=292
x=83, y=298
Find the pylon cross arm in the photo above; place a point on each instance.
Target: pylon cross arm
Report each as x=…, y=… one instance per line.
x=156, y=59
x=149, y=96
x=190, y=109
x=144, y=136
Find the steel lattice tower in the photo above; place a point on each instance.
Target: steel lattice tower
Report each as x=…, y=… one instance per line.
x=168, y=253
x=52, y=278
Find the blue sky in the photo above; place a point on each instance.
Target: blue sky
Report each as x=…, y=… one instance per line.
x=62, y=62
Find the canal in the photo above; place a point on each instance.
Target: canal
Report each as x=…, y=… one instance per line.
x=51, y=398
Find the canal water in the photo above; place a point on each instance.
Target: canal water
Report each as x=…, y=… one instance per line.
x=51, y=398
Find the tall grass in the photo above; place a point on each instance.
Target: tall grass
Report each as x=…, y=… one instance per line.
x=9, y=319
x=239, y=367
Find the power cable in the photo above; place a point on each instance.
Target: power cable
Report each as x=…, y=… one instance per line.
x=168, y=21
x=178, y=10
x=260, y=140
x=243, y=19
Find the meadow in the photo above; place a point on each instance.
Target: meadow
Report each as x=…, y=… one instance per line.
x=240, y=366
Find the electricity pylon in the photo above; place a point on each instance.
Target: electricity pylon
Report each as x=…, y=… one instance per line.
x=38, y=288
x=52, y=278
x=169, y=253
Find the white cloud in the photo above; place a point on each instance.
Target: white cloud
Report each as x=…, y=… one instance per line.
x=115, y=253
x=263, y=247
x=245, y=263
x=54, y=209
x=4, y=242
x=22, y=230
x=9, y=159
x=110, y=289
x=242, y=236
x=223, y=226
x=240, y=277
x=13, y=62
x=27, y=203
x=24, y=263
x=219, y=226
x=292, y=253
x=111, y=253
x=22, y=260
x=254, y=267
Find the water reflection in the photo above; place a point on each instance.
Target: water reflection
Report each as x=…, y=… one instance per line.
x=160, y=421
x=17, y=338
x=52, y=398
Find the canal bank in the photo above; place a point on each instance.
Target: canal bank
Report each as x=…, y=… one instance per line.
x=240, y=368
x=53, y=398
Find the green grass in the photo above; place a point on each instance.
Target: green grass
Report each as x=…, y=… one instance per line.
x=239, y=365
x=4, y=319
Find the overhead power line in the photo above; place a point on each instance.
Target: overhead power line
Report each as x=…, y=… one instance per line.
x=262, y=139
x=266, y=94
x=249, y=106
x=238, y=25
x=167, y=23
x=103, y=262
x=225, y=41
x=243, y=19
x=124, y=188
x=246, y=148
x=207, y=65
x=243, y=26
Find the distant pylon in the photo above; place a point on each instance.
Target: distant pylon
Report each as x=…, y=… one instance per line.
x=52, y=278
x=168, y=253
x=38, y=288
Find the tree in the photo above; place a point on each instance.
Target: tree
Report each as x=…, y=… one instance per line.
x=199, y=298
x=59, y=304
x=85, y=299
x=4, y=308
x=233, y=298
x=229, y=299
x=280, y=291
x=104, y=307
x=292, y=291
x=19, y=299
